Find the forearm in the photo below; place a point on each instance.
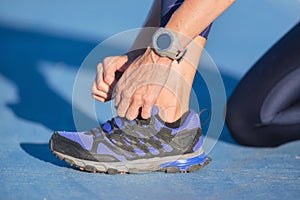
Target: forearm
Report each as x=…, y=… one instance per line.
x=151, y=24
x=193, y=16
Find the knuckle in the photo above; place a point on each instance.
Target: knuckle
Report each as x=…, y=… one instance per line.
x=148, y=100
x=95, y=89
x=99, y=84
x=136, y=98
x=101, y=87
x=108, y=78
x=108, y=61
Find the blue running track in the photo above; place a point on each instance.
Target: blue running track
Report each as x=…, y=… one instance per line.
x=42, y=45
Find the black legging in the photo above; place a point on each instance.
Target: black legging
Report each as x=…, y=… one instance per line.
x=264, y=109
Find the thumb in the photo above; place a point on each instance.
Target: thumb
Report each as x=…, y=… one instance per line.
x=111, y=65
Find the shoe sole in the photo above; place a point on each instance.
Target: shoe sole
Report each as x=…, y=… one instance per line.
x=172, y=164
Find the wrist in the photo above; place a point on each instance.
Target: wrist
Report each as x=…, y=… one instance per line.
x=183, y=38
x=158, y=59
x=133, y=54
x=165, y=43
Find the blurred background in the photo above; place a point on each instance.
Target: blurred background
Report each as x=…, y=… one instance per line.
x=43, y=44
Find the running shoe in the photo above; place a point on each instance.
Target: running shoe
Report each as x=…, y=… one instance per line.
x=123, y=146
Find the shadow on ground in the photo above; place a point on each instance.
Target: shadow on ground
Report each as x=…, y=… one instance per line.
x=43, y=153
x=20, y=54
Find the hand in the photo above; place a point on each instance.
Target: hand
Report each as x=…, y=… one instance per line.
x=108, y=73
x=140, y=85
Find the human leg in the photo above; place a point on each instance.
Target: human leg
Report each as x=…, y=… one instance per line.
x=264, y=109
x=172, y=106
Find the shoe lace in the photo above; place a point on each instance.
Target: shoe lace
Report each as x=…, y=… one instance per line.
x=113, y=125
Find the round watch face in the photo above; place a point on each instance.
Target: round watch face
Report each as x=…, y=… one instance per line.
x=164, y=41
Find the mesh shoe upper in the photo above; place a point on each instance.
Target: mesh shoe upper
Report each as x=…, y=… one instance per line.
x=120, y=139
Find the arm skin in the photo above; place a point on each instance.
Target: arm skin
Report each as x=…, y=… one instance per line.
x=106, y=79
x=133, y=95
x=193, y=16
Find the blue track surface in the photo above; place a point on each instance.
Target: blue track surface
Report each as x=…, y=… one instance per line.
x=42, y=45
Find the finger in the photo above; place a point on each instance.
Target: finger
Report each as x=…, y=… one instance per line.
x=97, y=92
x=98, y=98
x=103, y=96
x=134, y=107
x=123, y=107
x=111, y=66
x=100, y=84
x=120, y=92
x=109, y=69
x=124, y=88
x=133, y=112
x=148, y=102
x=146, y=111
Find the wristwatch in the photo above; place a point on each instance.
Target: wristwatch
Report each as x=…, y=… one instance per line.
x=166, y=44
